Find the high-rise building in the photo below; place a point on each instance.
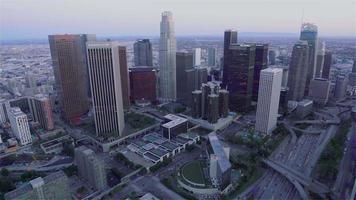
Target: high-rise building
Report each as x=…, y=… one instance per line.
x=142, y=83
x=223, y=103
x=327, y=65
x=212, y=54
x=124, y=76
x=41, y=109
x=213, y=107
x=340, y=87
x=143, y=53
x=272, y=57
x=105, y=82
x=320, y=57
x=260, y=64
x=90, y=167
x=319, y=90
x=3, y=114
x=210, y=103
x=298, y=71
x=31, y=80
x=197, y=56
x=19, y=125
x=309, y=33
x=268, y=100
x=184, y=63
x=201, y=76
x=53, y=186
x=239, y=62
x=230, y=37
x=196, y=104
x=167, y=59
x=352, y=75
x=70, y=72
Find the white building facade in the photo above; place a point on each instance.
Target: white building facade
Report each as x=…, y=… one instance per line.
x=167, y=59
x=268, y=100
x=105, y=84
x=19, y=125
x=196, y=57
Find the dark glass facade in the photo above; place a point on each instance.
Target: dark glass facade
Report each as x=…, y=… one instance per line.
x=260, y=64
x=142, y=84
x=239, y=65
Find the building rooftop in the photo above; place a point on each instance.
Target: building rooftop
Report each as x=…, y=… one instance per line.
x=218, y=150
x=175, y=120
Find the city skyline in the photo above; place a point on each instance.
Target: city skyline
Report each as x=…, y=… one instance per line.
x=44, y=18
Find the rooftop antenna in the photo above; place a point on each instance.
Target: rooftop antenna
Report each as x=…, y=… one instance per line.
x=302, y=19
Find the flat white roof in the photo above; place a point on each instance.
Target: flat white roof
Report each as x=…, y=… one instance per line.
x=175, y=120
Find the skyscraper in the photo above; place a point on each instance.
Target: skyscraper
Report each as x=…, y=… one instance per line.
x=352, y=75
x=319, y=90
x=143, y=83
x=19, y=125
x=230, y=37
x=298, y=71
x=105, y=82
x=184, y=62
x=260, y=64
x=268, y=99
x=124, y=75
x=41, y=110
x=239, y=62
x=167, y=59
x=327, y=64
x=212, y=56
x=70, y=72
x=272, y=57
x=197, y=56
x=143, y=53
x=309, y=33
x=320, y=56
x=340, y=87
x=90, y=167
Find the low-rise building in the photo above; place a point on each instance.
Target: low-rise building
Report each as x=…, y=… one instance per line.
x=174, y=126
x=55, y=146
x=53, y=186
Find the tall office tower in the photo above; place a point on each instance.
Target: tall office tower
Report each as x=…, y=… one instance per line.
x=319, y=90
x=268, y=100
x=41, y=109
x=340, y=87
x=53, y=186
x=167, y=59
x=272, y=57
x=206, y=90
x=213, y=105
x=31, y=80
x=298, y=71
x=239, y=65
x=142, y=83
x=327, y=65
x=143, y=53
x=260, y=64
x=184, y=62
x=212, y=54
x=197, y=56
x=352, y=75
x=3, y=112
x=309, y=33
x=124, y=76
x=230, y=37
x=105, y=82
x=196, y=104
x=223, y=103
x=70, y=72
x=320, y=56
x=19, y=125
x=90, y=167
x=201, y=76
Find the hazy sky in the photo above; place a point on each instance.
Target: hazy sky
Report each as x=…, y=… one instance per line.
x=21, y=19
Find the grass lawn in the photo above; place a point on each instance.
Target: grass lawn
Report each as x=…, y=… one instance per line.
x=193, y=172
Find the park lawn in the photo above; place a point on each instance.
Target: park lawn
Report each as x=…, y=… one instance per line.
x=193, y=172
